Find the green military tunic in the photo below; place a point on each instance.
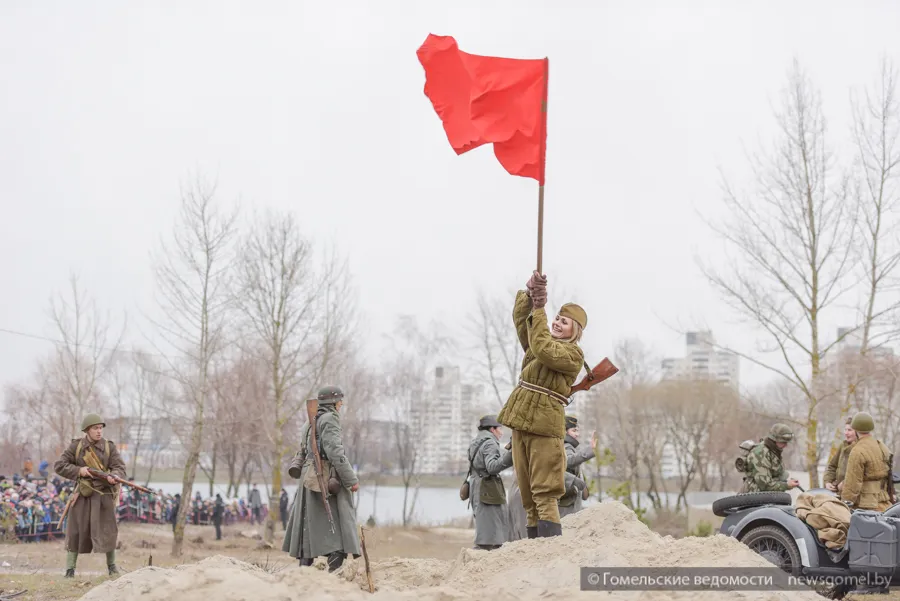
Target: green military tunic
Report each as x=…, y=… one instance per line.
x=765, y=470
x=308, y=533
x=837, y=465
x=548, y=363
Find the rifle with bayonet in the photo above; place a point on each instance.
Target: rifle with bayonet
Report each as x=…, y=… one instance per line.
x=312, y=408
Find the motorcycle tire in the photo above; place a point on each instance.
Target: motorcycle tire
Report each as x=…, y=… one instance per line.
x=749, y=499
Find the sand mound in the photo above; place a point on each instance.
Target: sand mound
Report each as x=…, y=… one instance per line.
x=603, y=535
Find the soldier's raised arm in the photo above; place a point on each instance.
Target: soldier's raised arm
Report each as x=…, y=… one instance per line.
x=495, y=461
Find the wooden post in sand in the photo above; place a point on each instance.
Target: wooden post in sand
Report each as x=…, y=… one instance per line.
x=362, y=543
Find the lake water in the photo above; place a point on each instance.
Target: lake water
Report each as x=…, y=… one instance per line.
x=434, y=506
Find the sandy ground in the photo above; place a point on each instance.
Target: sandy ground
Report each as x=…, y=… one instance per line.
x=39, y=567
x=421, y=564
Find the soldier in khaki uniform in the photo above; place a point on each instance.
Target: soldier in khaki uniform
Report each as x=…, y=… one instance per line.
x=867, y=482
x=535, y=411
x=765, y=470
x=91, y=522
x=837, y=465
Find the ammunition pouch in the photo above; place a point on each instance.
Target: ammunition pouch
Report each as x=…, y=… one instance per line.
x=492, y=491
x=311, y=482
x=85, y=489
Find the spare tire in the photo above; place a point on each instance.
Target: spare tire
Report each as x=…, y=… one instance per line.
x=750, y=499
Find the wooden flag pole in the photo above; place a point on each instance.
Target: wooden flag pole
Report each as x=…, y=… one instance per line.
x=543, y=159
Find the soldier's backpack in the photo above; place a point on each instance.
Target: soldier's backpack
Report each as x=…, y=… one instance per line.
x=741, y=463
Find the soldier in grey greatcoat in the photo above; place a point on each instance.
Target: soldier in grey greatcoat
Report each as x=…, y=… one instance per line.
x=576, y=454
x=308, y=533
x=518, y=520
x=488, y=494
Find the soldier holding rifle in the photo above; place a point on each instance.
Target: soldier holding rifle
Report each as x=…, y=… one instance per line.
x=91, y=525
x=323, y=519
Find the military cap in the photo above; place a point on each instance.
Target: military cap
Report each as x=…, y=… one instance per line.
x=575, y=313
x=571, y=422
x=781, y=433
x=91, y=419
x=330, y=395
x=489, y=421
x=863, y=422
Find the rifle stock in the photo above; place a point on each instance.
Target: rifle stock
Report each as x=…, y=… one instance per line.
x=602, y=371
x=101, y=475
x=312, y=408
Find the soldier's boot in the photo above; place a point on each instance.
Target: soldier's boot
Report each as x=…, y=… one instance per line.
x=113, y=570
x=487, y=547
x=335, y=560
x=546, y=529
x=306, y=562
x=532, y=531
x=111, y=563
x=71, y=560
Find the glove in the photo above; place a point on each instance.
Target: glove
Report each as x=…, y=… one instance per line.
x=539, y=298
x=536, y=280
x=578, y=484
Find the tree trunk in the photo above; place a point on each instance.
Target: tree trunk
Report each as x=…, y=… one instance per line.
x=187, y=487
x=212, y=471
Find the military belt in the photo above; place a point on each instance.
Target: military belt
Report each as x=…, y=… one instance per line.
x=564, y=401
x=872, y=486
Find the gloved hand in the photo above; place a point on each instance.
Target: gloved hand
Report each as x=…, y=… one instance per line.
x=536, y=280
x=578, y=484
x=539, y=297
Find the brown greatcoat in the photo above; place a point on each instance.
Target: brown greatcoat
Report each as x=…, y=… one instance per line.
x=837, y=465
x=91, y=522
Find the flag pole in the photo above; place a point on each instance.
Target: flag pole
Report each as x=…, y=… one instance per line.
x=543, y=159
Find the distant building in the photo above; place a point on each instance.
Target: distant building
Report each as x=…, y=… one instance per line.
x=702, y=361
x=447, y=420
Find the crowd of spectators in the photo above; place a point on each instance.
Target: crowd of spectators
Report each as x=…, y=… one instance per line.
x=31, y=507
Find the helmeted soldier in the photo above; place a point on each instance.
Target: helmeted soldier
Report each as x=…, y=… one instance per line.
x=91, y=519
x=837, y=465
x=765, y=470
x=576, y=454
x=867, y=483
x=308, y=533
x=488, y=495
x=535, y=410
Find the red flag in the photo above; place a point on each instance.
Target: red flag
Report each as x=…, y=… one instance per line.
x=489, y=100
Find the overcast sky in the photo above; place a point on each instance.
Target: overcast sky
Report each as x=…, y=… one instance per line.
x=106, y=108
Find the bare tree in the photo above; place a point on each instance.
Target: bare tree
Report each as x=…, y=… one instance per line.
x=792, y=250
x=82, y=359
x=193, y=274
x=406, y=376
x=299, y=313
x=497, y=353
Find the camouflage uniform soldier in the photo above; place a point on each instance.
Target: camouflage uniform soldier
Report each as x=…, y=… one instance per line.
x=308, y=533
x=91, y=521
x=576, y=454
x=867, y=483
x=765, y=470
